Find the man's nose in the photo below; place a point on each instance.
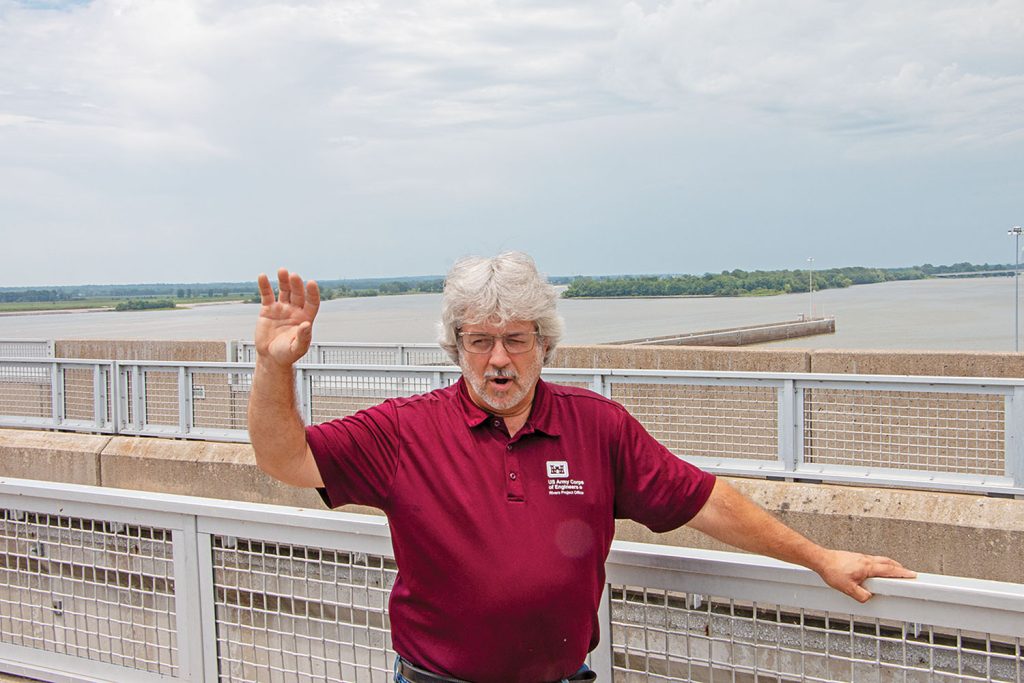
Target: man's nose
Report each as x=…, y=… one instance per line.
x=499, y=356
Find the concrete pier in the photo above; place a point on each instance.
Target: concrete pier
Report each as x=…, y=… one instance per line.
x=742, y=336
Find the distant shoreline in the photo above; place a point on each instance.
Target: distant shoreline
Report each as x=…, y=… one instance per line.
x=56, y=311
x=110, y=309
x=659, y=296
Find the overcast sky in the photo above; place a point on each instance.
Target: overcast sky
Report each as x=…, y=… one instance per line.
x=145, y=141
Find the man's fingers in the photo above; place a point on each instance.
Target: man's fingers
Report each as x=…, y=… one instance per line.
x=298, y=295
x=266, y=291
x=890, y=568
x=303, y=336
x=283, y=286
x=859, y=593
x=312, y=298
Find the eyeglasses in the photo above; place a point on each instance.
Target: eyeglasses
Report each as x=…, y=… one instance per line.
x=517, y=342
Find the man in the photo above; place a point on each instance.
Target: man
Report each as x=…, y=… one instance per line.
x=501, y=491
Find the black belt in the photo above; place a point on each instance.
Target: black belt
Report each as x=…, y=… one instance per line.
x=414, y=674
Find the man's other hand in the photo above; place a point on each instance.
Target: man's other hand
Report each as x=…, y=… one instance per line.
x=846, y=571
x=284, y=329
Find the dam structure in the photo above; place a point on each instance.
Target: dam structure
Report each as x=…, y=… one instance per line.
x=139, y=541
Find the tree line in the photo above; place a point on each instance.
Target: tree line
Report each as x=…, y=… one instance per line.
x=144, y=304
x=757, y=283
x=388, y=288
x=726, y=283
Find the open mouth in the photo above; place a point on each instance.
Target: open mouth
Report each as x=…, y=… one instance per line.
x=501, y=381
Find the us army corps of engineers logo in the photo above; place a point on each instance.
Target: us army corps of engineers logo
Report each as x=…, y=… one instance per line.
x=559, y=483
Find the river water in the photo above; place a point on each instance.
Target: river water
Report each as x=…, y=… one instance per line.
x=939, y=314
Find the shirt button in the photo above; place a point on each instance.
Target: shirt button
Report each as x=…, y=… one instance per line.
x=512, y=475
x=508, y=447
x=497, y=423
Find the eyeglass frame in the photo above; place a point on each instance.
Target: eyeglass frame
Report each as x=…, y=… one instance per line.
x=535, y=335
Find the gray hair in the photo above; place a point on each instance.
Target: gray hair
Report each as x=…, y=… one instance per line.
x=501, y=289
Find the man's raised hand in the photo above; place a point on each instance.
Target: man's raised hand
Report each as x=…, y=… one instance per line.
x=285, y=325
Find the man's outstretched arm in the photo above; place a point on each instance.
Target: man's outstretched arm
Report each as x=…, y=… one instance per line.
x=732, y=518
x=283, y=334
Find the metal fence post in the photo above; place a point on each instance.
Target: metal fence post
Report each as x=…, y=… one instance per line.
x=304, y=394
x=56, y=394
x=789, y=426
x=185, y=401
x=99, y=397
x=117, y=411
x=137, y=397
x=601, y=657
x=1014, y=429
x=194, y=602
x=599, y=386
x=208, y=606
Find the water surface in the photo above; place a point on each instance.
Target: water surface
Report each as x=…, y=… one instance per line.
x=940, y=314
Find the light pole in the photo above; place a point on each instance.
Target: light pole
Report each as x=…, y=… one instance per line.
x=1016, y=231
x=810, y=288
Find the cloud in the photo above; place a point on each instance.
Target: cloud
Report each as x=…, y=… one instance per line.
x=950, y=71
x=214, y=78
x=229, y=71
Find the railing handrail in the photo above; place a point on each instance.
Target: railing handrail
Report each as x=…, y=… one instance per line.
x=975, y=604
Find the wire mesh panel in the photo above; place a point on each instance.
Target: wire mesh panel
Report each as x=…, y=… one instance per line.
x=89, y=589
x=360, y=355
x=79, y=393
x=941, y=432
x=333, y=353
x=714, y=421
x=25, y=348
x=666, y=636
x=295, y=613
x=25, y=391
x=129, y=393
x=220, y=399
x=333, y=396
x=245, y=352
x=426, y=356
x=160, y=397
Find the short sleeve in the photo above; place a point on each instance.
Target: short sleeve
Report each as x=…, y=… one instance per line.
x=654, y=486
x=357, y=456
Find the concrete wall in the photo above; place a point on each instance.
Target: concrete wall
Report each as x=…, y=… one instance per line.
x=928, y=363
x=959, y=535
x=681, y=358
x=145, y=349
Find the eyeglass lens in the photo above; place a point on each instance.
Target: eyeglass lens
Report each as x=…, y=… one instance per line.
x=484, y=343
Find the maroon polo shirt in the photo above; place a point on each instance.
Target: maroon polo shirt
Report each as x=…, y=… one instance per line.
x=501, y=541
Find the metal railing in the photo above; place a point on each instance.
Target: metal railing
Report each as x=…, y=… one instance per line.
x=99, y=584
x=356, y=353
x=943, y=433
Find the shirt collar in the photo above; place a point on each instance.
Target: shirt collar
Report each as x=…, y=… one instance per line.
x=543, y=417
